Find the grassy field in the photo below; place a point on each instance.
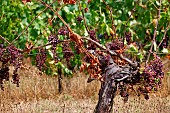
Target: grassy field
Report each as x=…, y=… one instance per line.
x=39, y=94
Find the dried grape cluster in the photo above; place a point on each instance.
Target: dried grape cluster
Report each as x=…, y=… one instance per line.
x=4, y=57
x=152, y=75
x=92, y=35
x=92, y=46
x=15, y=78
x=63, y=31
x=15, y=59
x=4, y=75
x=1, y=51
x=67, y=51
x=128, y=37
x=1, y=48
x=123, y=91
x=165, y=42
x=41, y=58
x=15, y=56
x=115, y=45
x=79, y=19
x=53, y=40
x=10, y=55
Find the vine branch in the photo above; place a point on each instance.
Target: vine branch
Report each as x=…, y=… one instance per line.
x=31, y=23
x=38, y=47
x=154, y=36
x=132, y=12
x=5, y=39
x=48, y=6
x=112, y=53
x=167, y=28
x=85, y=24
x=112, y=19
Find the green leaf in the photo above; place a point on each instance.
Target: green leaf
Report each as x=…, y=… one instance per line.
x=140, y=57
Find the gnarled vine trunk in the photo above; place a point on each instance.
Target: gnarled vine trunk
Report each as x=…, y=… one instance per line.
x=112, y=76
x=108, y=88
x=106, y=96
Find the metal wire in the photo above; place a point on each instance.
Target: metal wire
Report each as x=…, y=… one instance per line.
x=98, y=50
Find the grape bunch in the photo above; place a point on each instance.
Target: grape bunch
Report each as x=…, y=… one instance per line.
x=144, y=91
x=92, y=46
x=4, y=75
x=92, y=35
x=15, y=59
x=15, y=78
x=128, y=37
x=63, y=31
x=41, y=58
x=153, y=74
x=15, y=56
x=79, y=19
x=1, y=51
x=115, y=45
x=53, y=40
x=165, y=42
x=4, y=57
x=123, y=91
x=68, y=53
x=1, y=47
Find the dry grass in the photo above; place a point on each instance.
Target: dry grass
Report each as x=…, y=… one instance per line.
x=166, y=81
x=67, y=104
x=39, y=94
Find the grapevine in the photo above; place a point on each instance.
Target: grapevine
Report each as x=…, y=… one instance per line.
x=107, y=62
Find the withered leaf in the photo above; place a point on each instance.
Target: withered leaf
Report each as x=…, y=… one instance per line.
x=25, y=1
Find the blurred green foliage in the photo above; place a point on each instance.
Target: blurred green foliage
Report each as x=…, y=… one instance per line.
x=135, y=16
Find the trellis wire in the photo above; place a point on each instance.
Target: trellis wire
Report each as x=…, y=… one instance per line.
x=98, y=50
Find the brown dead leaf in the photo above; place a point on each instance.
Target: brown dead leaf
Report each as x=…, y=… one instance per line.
x=83, y=67
x=168, y=56
x=25, y=1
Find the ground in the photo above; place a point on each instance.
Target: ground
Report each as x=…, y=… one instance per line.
x=39, y=94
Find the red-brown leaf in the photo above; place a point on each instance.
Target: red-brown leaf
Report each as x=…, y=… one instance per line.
x=25, y=1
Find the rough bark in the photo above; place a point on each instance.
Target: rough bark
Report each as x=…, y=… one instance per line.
x=112, y=76
x=106, y=96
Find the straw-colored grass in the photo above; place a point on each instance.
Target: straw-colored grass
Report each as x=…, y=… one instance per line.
x=39, y=94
